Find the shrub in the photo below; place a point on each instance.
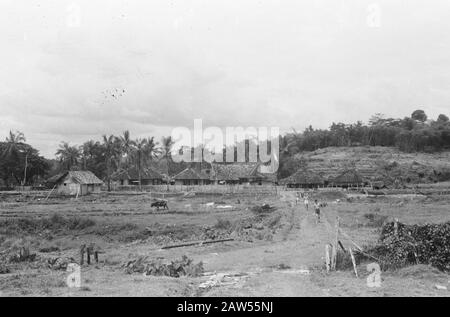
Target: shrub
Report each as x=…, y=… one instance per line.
x=414, y=244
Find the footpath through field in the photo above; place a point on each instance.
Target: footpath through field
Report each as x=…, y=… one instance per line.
x=281, y=268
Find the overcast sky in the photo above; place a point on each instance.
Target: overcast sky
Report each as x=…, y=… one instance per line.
x=230, y=63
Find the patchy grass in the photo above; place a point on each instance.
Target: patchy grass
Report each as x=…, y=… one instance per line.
x=223, y=224
x=54, y=223
x=375, y=220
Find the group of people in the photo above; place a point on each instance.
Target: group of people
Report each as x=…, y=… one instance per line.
x=316, y=204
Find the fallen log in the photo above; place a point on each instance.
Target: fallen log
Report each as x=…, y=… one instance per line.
x=188, y=244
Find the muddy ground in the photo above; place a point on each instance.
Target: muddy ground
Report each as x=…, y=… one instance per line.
x=276, y=251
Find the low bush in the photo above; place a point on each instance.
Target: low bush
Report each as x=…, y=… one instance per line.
x=413, y=244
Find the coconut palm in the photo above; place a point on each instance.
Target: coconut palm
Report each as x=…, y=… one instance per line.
x=112, y=152
x=14, y=144
x=145, y=150
x=69, y=156
x=126, y=146
x=166, y=151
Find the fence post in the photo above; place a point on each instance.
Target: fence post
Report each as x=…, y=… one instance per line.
x=335, y=246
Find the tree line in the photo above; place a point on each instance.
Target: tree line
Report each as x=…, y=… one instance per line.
x=21, y=164
x=112, y=154
x=416, y=133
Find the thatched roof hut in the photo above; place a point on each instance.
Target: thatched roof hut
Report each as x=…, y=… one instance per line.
x=348, y=178
x=303, y=178
x=149, y=176
x=241, y=173
x=190, y=176
x=76, y=183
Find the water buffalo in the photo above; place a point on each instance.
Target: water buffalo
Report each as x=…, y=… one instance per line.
x=160, y=204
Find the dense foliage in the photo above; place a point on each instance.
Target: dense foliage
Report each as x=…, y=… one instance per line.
x=20, y=163
x=407, y=134
x=414, y=244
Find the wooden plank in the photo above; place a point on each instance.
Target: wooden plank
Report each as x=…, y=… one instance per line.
x=187, y=244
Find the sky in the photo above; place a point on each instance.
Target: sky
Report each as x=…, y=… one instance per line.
x=75, y=70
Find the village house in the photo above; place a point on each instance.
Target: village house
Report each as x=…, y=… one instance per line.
x=190, y=176
x=303, y=179
x=76, y=183
x=347, y=179
x=130, y=177
x=241, y=173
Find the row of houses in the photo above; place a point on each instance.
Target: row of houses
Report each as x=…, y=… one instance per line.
x=84, y=182
x=308, y=179
x=244, y=173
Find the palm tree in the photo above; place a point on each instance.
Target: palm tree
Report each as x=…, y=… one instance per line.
x=15, y=145
x=87, y=150
x=145, y=150
x=126, y=146
x=111, y=147
x=166, y=147
x=69, y=156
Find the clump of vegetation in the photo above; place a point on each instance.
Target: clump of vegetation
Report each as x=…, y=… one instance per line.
x=223, y=224
x=401, y=245
x=274, y=221
x=183, y=267
x=49, y=249
x=4, y=269
x=263, y=209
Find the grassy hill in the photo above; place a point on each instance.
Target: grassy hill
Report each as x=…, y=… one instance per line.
x=379, y=164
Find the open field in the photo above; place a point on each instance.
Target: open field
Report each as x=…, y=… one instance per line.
x=274, y=252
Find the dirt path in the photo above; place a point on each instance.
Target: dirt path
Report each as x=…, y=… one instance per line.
x=299, y=250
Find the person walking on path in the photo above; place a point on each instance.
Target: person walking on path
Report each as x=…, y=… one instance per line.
x=317, y=210
x=297, y=198
x=306, y=202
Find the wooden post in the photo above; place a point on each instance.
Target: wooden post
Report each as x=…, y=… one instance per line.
x=88, y=255
x=396, y=226
x=327, y=257
x=353, y=261
x=333, y=257
x=336, y=244
x=82, y=250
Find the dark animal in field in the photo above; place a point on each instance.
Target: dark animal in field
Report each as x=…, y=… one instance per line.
x=160, y=204
x=323, y=205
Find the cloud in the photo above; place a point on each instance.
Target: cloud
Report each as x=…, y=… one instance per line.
x=256, y=63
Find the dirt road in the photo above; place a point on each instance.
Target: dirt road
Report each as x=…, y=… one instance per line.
x=282, y=268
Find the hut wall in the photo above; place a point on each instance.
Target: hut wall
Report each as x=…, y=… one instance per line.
x=69, y=188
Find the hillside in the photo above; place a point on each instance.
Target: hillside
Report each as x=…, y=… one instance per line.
x=379, y=164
